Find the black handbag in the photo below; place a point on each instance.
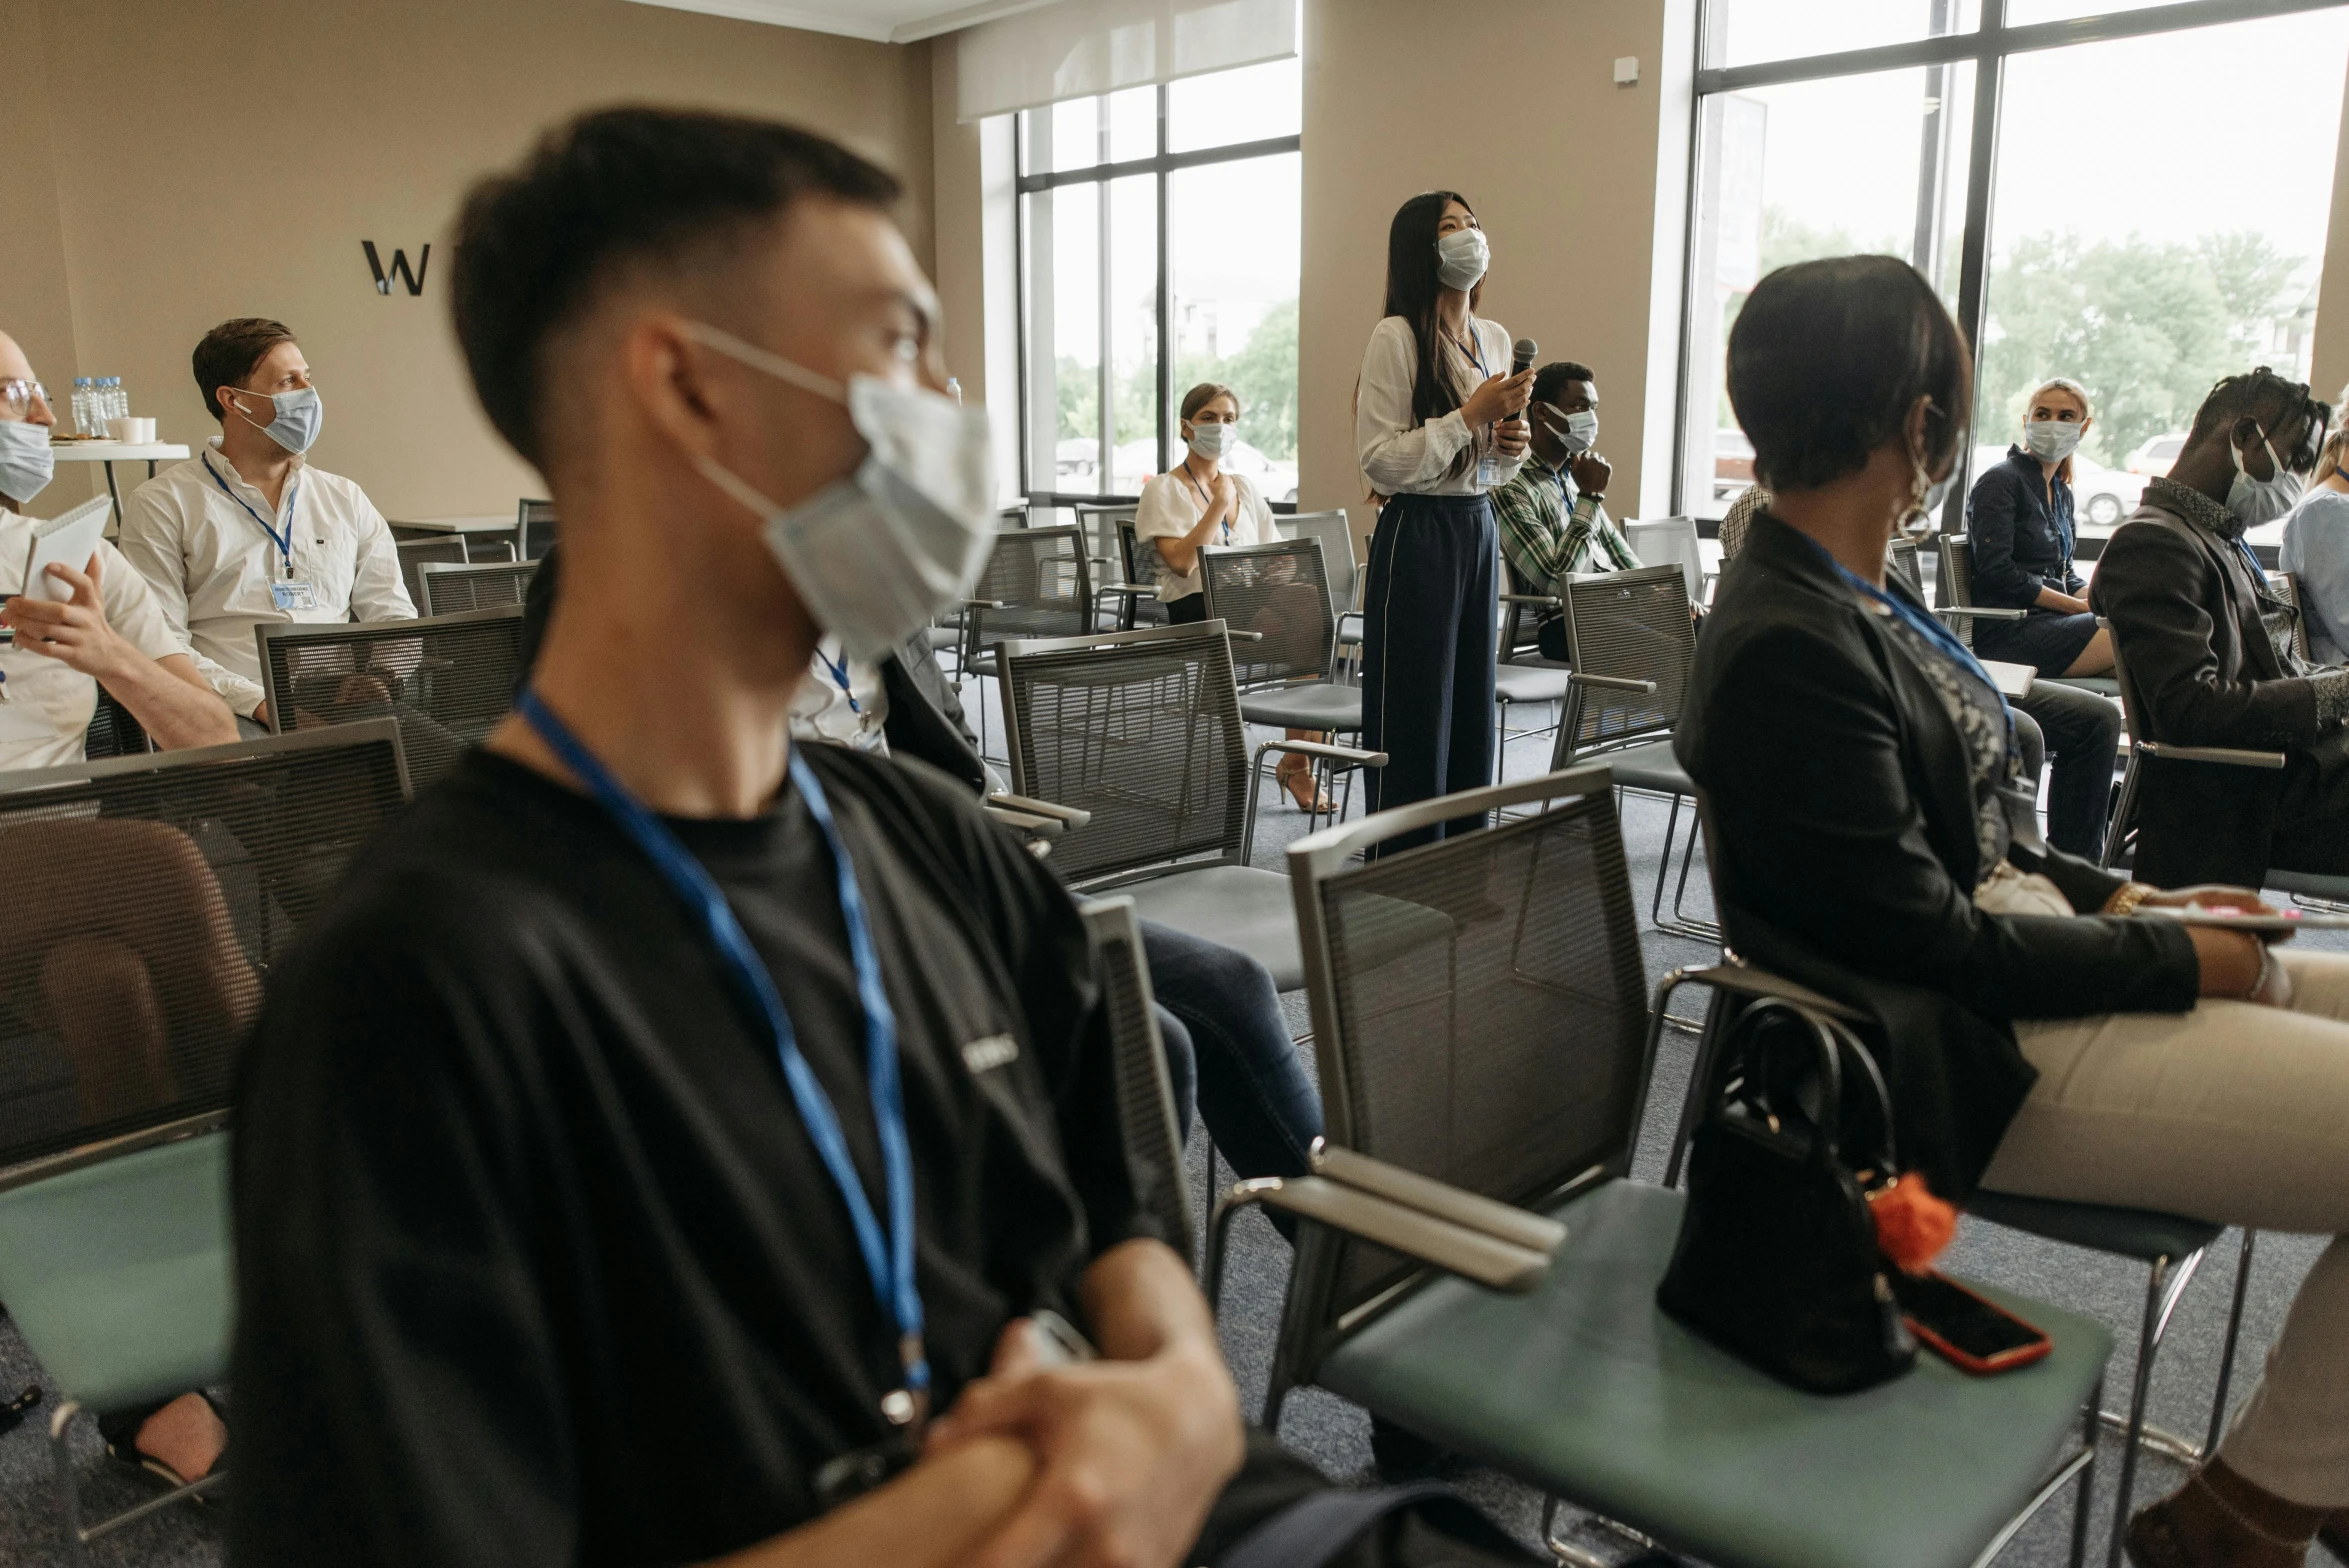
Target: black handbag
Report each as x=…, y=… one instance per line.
x=1777, y=1260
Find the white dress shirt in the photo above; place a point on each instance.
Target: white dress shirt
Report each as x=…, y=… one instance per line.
x=1401, y=456
x=1170, y=508
x=197, y=533
x=45, y=707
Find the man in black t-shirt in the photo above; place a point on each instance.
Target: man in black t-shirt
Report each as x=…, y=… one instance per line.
x=663, y=1122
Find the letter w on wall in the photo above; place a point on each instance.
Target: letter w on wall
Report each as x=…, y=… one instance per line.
x=399, y=268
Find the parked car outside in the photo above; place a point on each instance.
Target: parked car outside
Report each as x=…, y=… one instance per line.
x=2156, y=455
x=1733, y=464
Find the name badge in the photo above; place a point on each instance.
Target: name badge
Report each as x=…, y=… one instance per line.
x=294, y=596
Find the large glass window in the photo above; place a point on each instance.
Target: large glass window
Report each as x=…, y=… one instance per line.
x=2135, y=201
x=1159, y=241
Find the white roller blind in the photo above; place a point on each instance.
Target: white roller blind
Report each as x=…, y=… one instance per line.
x=1079, y=48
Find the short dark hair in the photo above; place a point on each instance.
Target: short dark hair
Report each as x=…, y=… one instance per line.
x=230, y=352
x=612, y=187
x=1826, y=359
x=1552, y=378
x=2269, y=398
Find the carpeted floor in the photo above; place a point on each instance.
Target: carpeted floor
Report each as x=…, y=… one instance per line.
x=1336, y=1435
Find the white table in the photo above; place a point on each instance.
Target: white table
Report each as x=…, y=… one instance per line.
x=113, y=452
x=495, y=523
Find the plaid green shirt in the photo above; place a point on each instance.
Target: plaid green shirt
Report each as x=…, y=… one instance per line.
x=1546, y=540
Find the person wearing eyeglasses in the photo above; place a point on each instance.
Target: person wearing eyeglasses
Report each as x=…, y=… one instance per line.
x=107, y=630
x=248, y=531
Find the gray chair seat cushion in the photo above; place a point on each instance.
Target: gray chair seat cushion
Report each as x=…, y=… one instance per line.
x=1530, y=683
x=2142, y=1234
x=1238, y=906
x=1650, y=766
x=118, y=1273
x=1584, y=1388
x=1324, y=705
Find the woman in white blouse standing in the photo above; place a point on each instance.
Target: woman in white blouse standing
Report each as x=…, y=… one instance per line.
x=1436, y=421
x=1198, y=503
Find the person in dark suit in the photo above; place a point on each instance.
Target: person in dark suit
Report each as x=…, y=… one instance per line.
x=2206, y=647
x=1859, y=772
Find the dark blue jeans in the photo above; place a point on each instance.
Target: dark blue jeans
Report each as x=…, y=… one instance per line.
x=1229, y=1047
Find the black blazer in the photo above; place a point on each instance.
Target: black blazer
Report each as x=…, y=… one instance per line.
x=2020, y=542
x=2203, y=672
x=1843, y=820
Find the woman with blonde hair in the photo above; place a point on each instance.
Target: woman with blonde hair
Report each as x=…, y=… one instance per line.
x=2019, y=528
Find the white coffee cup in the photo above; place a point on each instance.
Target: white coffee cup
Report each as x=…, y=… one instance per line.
x=131, y=432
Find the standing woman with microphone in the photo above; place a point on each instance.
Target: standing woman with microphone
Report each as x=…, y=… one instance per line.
x=1437, y=424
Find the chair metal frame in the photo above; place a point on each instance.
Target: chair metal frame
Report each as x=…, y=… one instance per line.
x=1125, y=586
x=430, y=572
x=1324, y=770
x=527, y=543
x=2166, y=1277
x=1446, y=1229
x=270, y=633
x=31, y=782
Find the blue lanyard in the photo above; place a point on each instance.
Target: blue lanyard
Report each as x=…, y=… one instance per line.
x=1928, y=627
x=2251, y=559
x=838, y=669
x=285, y=545
x=1475, y=352
x=889, y=1261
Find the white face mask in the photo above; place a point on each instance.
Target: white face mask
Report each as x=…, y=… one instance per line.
x=2051, y=440
x=877, y=553
x=2252, y=502
x=294, y=424
x=1462, y=257
x=1214, y=443
x=26, y=461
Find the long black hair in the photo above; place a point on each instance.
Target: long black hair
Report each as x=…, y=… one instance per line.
x=1412, y=287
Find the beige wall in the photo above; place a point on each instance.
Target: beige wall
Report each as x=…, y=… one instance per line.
x=2329, y=358
x=1517, y=111
x=250, y=145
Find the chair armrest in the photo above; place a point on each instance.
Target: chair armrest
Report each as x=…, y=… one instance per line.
x=1611, y=682
x=1243, y=636
x=1544, y=600
x=1322, y=749
x=985, y=604
x=1135, y=590
x=2225, y=754
x=1495, y=1264
x=1025, y=822
x=1970, y=612
x=1501, y=1221
x=1746, y=980
x=1073, y=816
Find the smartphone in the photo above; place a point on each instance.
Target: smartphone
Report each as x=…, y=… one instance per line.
x=1967, y=1330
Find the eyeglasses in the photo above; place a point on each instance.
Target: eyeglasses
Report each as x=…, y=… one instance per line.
x=18, y=397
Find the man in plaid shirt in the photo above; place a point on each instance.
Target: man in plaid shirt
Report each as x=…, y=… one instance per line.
x=1552, y=514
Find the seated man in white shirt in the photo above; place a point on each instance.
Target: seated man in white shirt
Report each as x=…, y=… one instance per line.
x=108, y=632
x=246, y=531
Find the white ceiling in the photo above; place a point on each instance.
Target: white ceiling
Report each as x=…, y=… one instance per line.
x=886, y=21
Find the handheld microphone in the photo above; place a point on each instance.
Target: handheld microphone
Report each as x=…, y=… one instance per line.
x=1521, y=358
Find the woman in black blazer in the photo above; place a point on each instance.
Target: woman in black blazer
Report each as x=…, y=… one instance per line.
x=1873, y=841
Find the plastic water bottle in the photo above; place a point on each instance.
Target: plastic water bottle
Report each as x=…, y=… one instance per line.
x=83, y=417
x=117, y=400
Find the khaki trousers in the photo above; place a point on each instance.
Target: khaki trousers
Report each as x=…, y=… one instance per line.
x=2233, y=1113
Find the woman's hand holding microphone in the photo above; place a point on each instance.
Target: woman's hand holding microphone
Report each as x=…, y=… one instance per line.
x=1500, y=402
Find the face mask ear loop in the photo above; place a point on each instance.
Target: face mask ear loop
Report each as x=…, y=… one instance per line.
x=760, y=359
x=240, y=392
x=758, y=505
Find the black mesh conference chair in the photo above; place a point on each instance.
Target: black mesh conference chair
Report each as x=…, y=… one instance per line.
x=445, y=680
x=1475, y=1265
x=1276, y=600
x=1119, y=591
x=1145, y=1093
x=534, y=528
x=1142, y=730
x=1632, y=645
x=1341, y=566
x=475, y=586
x=156, y=891
x=415, y=554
